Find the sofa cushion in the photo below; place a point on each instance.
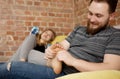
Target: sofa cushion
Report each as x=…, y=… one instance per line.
x=59, y=38
x=106, y=74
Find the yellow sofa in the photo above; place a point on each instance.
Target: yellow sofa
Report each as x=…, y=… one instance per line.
x=59, y=38
x=105, y=74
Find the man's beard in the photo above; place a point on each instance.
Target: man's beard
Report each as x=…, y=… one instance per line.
x=93, y=31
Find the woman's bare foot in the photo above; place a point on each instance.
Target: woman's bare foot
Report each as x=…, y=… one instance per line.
x=55, y=63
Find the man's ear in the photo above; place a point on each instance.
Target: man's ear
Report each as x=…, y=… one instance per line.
x=112, y=16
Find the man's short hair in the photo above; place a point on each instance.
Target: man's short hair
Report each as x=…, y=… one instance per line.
x=112, y=4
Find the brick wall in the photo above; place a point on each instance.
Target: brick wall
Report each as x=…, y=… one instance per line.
x=18, y=16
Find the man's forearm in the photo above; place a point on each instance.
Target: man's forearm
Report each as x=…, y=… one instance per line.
x=83, y=65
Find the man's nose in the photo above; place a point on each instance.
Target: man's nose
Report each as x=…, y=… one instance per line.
x=92, y=18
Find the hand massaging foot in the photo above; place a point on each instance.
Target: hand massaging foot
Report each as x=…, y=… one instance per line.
x=55, y=63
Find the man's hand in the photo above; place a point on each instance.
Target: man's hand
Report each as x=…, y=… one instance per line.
x=51, y=51
x=65, y=57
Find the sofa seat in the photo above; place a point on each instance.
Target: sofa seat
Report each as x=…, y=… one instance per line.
x=104, y=74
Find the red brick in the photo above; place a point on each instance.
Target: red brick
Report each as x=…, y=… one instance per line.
x=8, y=53
x=27, y=12
x=1, y=53
x=45, y=4
x=10, y=33
x=27, y=23
x=29, y=2
x=19, y=33
x=30, y=18
x=59, y=15
x=44, y=13
x=43, y=24
x=19, y=1
x=59, y=19
x=37, y=3
x=36, y=23
x=51, y=14
x=51, y=24
x=15, y=38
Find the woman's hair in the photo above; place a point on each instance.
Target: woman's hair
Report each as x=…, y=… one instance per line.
x=38, y=36
x=111, y=3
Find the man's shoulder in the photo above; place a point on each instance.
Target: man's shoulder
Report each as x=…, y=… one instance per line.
x=116, y=29
x=113, y=32
x=116, y=32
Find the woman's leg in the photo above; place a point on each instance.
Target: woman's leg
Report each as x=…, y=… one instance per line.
x=23, y=51
x=37, y=57
x=3, y=71
x=32, y=71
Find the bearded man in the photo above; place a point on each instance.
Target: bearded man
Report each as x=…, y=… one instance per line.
x=95, y=47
